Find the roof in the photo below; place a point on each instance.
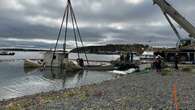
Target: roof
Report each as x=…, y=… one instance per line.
x=148, y=53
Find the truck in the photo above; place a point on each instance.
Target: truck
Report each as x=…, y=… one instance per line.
x=185, y=47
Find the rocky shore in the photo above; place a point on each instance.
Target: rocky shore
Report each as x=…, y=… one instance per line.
x=139, y=91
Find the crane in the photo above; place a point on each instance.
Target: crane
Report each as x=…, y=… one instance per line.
x=168, y=12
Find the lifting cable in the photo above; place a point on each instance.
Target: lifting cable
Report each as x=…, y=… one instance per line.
x=66, y=29
x=60, y=30
x=75, y=35
x=76, y=31
x=79, y=34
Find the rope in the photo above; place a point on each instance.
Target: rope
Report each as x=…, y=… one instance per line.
x=69, y=9
x=66, y=29
x=60, y=30
x=79, y=35
x=74, y=31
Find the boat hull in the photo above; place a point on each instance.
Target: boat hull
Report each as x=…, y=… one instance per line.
x=99, y=67
x=31, y=64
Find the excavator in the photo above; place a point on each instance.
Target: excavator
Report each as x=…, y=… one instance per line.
x=168, y=12
x=185, y=46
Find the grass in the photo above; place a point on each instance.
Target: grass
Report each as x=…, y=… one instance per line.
x=186, y=69
x=166, y=71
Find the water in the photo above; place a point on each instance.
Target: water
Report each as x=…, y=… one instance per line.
x=96, y=57
x=20, y=55
x=16, y=81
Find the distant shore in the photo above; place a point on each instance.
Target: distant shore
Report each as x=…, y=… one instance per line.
x=103, y=49
x=22, y=49
x=112, y=48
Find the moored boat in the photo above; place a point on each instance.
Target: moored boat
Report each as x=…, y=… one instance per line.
x=6, y=53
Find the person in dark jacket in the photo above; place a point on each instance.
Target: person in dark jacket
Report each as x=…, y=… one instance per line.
x=176, y=61
x=158, y=63
x=127, y=57
x=80, y=62
x=122, y=57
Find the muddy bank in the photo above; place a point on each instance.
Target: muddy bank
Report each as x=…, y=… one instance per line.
x=133, y=92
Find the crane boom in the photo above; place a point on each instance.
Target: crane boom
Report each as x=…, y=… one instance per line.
x=172, y=12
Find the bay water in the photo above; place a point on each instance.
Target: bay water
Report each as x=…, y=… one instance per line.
x=17, y=81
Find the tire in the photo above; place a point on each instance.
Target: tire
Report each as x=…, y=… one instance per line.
x=171, y=58
x=183, y=58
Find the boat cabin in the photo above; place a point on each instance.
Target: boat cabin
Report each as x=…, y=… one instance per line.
x=147, y=57
x=58, y=58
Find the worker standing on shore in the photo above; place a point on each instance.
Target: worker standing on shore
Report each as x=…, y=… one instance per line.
x=122, y=58
x=176, y=61
x=158, y=63
x=127, y=57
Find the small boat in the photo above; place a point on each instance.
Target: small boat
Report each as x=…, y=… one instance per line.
x=147, y=57
x=32, y=63
x=6, y=53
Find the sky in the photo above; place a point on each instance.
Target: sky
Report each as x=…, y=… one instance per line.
x=35, y=23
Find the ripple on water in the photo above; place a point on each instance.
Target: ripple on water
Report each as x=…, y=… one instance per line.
x=16, y=81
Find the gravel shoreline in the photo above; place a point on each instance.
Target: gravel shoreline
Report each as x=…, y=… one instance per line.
x=150, y=91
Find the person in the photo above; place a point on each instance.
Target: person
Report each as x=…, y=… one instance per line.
x=176, y=61
x=43, y=64
x=40, y=61
x=122, y=57
x=127, y=57
x=158, y=63
x=132, y=55
x=80, y=62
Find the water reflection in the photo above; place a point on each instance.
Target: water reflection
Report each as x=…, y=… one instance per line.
x=61, y=74
x=55, y=73
x=31, y=70
x=16, y=81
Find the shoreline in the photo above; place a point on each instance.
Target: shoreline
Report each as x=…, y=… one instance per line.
x=133, y=91
x=4, y=103
x=55, y=91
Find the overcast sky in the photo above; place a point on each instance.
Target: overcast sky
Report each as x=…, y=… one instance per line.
x=35, y=23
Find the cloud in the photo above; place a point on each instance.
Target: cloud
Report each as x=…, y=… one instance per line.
x=134, y=1
x=100, y=21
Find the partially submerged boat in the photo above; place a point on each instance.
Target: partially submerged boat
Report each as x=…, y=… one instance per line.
x=60, y=60
x=32, y=63
x=57, y=60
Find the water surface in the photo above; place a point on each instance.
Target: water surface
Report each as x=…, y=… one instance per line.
x=16, y=81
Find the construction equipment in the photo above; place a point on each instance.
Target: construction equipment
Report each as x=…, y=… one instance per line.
x=169, y=11
x=185, y=47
